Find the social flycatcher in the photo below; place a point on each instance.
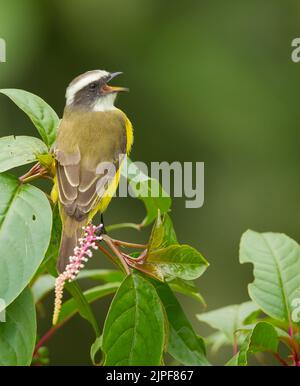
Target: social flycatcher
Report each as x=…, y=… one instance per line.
x=92, y=131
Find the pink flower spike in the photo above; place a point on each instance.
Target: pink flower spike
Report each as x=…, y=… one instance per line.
x=82, y=253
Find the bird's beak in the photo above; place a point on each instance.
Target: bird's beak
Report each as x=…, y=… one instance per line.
x=109, y=89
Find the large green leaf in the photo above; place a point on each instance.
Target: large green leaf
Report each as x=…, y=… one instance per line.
x=18, y=333
x=276, y=259
x=263, y=338
x=228, y=319
x=166, y=259
x=21, y=150
x=41, y=114
x=148, y=190
x=134, y=328
x=106, y=275
x=25, y=227
x=184, y=345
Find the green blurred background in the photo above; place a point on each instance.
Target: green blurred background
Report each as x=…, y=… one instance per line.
x=210, y=81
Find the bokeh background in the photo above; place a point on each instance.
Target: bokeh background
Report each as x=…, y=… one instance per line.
x=210, y=81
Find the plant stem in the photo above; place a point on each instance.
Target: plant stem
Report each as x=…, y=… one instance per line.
x=37, y=171
x=129, y=245
x=109, y=242
x=140, y=268
x=294, y=345
x=131, y=225
x=139, y=259
x=278, y=357
x=109, y=255
x=47, y=336
x=31, y=178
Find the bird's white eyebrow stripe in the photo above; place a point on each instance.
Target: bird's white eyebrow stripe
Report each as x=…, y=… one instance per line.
x=83, y=81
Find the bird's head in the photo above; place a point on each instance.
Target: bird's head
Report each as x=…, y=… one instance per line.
x=90, y=91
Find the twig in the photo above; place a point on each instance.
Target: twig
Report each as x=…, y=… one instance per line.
x=139, y=259
x=112, y=246
x=129, y=245
x=109, y=255
x=47, y=336
x=140, y=268
x=294, y=346
x=278, y=357
x=37, y=171
x=114, y=227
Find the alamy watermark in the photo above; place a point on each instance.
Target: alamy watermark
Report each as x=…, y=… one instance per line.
x=175, y=179
x=296, y=310
x=295, y=56
x=2, y=51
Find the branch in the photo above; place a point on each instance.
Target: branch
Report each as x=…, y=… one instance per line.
x=131, y=225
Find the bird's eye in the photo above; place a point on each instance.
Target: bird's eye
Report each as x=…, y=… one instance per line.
x=93, y=86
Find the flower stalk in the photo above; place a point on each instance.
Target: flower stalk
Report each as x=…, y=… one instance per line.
x=82, y=254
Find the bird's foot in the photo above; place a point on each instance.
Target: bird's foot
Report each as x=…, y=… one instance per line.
x=101, y=227
x=100, y=230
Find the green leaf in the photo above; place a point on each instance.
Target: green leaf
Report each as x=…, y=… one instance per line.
x=70, y=307
x=153, y=204
x=134, y=328
x=82, y=305
x=177, y=261
x=49, y=262
x=184, y=345
x=106, y=275
x=188, y=288
x=148, y=190
x=263, y=338
x=228, y=319
x=95, y=348
x=41, y=114
x=276, y=259
x=25, y=227
x=21, y=150
x=18, y=333
x=166, y=259
x=163, y=233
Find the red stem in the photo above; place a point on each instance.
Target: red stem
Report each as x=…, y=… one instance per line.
x=109, y=242
x=139, y=259
x=278, y=357
x=46, y=337
x=129, y=245
x=294, y=344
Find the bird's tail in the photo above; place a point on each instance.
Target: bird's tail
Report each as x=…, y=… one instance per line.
x=72, y=231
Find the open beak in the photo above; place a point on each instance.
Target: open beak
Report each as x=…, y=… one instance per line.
x=109, y=89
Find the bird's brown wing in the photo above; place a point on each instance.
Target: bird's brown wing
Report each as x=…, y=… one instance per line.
x=85, y=141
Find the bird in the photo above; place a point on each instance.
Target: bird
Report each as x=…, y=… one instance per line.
x=92, y=132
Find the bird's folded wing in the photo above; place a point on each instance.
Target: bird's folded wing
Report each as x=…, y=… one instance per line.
x=82, y=180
